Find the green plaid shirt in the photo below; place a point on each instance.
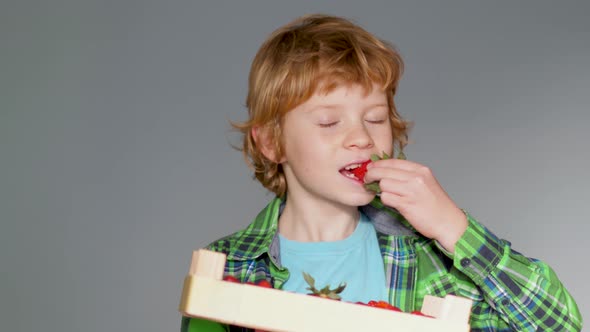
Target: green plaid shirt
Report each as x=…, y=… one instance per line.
x=510, y=292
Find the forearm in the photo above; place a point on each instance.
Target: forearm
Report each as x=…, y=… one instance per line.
x=525, y=293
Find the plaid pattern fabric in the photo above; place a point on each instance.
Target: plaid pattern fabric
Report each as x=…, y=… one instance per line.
x=510, y=292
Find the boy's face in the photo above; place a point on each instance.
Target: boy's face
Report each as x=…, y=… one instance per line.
x=329, y=133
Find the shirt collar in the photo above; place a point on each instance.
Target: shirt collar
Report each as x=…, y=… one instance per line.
x=261, y=236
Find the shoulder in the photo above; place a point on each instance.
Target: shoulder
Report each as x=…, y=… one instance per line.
x=253, y=240
x=226, y=243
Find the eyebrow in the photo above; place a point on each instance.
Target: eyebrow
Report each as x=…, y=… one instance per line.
x=337, y=106
x=377, y=105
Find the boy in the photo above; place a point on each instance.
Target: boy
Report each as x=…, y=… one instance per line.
x=320, y=104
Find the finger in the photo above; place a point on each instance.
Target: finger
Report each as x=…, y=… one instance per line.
x=379, y=173
x=396, y=163
x=392, y=200
x=395, y=187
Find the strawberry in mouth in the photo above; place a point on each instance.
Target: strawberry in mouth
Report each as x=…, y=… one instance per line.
x=356, y=171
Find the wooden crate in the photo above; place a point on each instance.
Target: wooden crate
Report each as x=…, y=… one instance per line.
x=206, y=295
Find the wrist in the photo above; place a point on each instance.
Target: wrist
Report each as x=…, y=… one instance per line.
x=455, y=228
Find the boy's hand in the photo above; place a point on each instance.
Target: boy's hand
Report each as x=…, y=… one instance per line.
x=413, y=190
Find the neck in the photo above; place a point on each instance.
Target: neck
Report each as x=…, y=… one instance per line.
x=314, y=221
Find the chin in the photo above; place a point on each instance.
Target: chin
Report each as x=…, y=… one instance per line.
x=360, y=199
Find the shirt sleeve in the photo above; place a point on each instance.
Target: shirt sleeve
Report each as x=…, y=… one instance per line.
x=525, y=292
x=191, y=324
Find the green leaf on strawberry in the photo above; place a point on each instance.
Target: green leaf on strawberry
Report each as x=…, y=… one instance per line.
x=325, y=292
x=401, y=155
x=373, y=186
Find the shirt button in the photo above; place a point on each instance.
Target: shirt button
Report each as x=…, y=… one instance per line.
x=465, y=262
x=505, y=302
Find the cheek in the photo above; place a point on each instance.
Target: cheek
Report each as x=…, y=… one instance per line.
x=308, y=156
x=311, y=145
x=384, y=139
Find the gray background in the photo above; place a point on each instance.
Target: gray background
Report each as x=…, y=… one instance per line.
x=116, y=158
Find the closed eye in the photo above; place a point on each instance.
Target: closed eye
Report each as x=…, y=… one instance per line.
x=377, y=121
x=328, y=125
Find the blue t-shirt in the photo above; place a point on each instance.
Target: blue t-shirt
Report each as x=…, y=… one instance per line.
x=355, y=260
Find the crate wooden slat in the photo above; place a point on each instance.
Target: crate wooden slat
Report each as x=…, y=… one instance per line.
x=206, y=295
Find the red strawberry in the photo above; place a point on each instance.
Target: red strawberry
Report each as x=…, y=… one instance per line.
x=360, y=171
x=383, y=305
x=264, y=283
x=394, y=308
x=231, y=279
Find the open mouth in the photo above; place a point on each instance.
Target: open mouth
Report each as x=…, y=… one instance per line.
x=355, y=171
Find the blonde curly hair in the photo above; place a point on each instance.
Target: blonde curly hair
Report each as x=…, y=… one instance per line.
x=313, y=52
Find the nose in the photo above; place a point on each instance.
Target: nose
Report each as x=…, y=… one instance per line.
x=358, y=137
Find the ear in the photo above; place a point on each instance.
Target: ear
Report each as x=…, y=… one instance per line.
x=263, y=139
